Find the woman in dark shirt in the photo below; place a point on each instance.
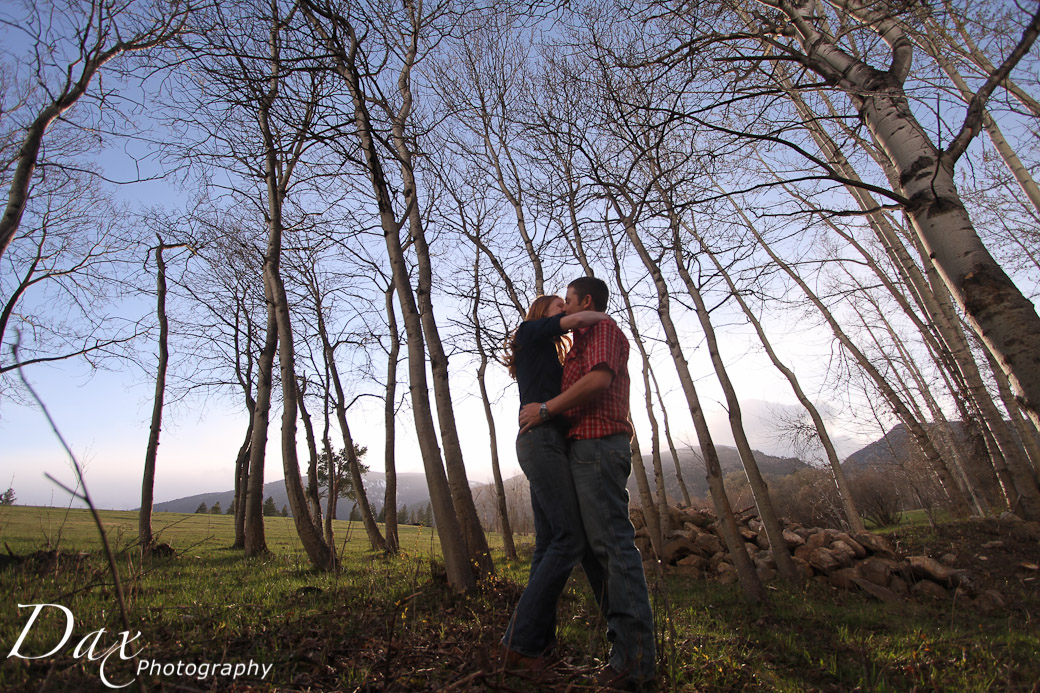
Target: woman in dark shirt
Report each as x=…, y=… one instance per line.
x=535, y=358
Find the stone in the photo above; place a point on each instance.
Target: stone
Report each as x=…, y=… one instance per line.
x=875, y=544
x=752, y=549
x=746, y=533
x=695, y=561
x=930, y=569
x=843, y=579
x=1008, y=516
x=898, y=585
x=803, y=552
x=677, y=549
x=878, y=592
x=824, y=560
x=674, y=517
x=762, y=540
x=767, y=574
x=793, y=539
x=818, y=540
x=695, y=518
x=805, y=570
x=875, y=570
x=997, y=544
x=843, y=552
x=948, y=559
x=725, y=568
x=765, y=555
x=755, y=524
x=853, y=544
x=636, y=516
x=708, y=544
x=989, y=602
x=928, y=590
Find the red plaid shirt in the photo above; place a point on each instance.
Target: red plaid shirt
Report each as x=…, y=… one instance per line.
x=602, y=344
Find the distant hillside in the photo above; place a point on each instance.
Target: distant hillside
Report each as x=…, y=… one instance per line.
x=898, y=446
x=411, y=491
x=692, y=466
x=518, y=493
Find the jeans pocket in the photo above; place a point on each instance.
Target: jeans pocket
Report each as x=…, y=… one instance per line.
x=585, y=452
x=620, y=463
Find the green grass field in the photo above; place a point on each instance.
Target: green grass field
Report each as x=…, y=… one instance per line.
x=393, y=624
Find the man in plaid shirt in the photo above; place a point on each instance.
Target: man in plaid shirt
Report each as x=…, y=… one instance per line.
x=594, y=398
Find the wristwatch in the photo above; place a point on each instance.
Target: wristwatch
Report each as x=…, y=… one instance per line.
x=543, y=412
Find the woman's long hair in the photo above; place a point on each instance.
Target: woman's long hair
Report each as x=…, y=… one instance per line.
x=537, y=311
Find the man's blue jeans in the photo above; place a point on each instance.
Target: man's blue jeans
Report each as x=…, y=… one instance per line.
x=600, y=469
x=560, y=540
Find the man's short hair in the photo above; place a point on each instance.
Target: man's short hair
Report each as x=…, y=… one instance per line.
x=594, y=287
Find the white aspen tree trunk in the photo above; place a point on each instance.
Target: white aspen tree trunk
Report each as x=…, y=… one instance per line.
x=932, y=294
x=663, y=522
x=852, y=515
x=333, y=487
x=241, y=482
x=1006, y=456
x=496, y=472
x=253, y=525
x=375, y=538
x=651, y=515
x=144, y=515
x=393, y=545
x=462, y=495
x=750, y=583
x=687, y=501
x=1004, y=319
x=759, y=487
x=898, y=406
x=1029, y=442
x=277, y=174
x=453, y=546
x=312, y=493
x=940, y=429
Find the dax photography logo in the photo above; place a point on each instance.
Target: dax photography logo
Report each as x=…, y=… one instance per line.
x=93, y=648
x=89, y=646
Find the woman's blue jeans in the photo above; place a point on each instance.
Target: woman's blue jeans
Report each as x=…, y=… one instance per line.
x=560, y=540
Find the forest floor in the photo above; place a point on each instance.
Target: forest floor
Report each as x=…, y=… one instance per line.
x=393, y=624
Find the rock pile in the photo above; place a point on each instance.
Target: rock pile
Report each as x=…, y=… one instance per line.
x=862, y=561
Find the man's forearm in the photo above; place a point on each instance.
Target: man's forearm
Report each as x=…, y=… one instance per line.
x=588, y=387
